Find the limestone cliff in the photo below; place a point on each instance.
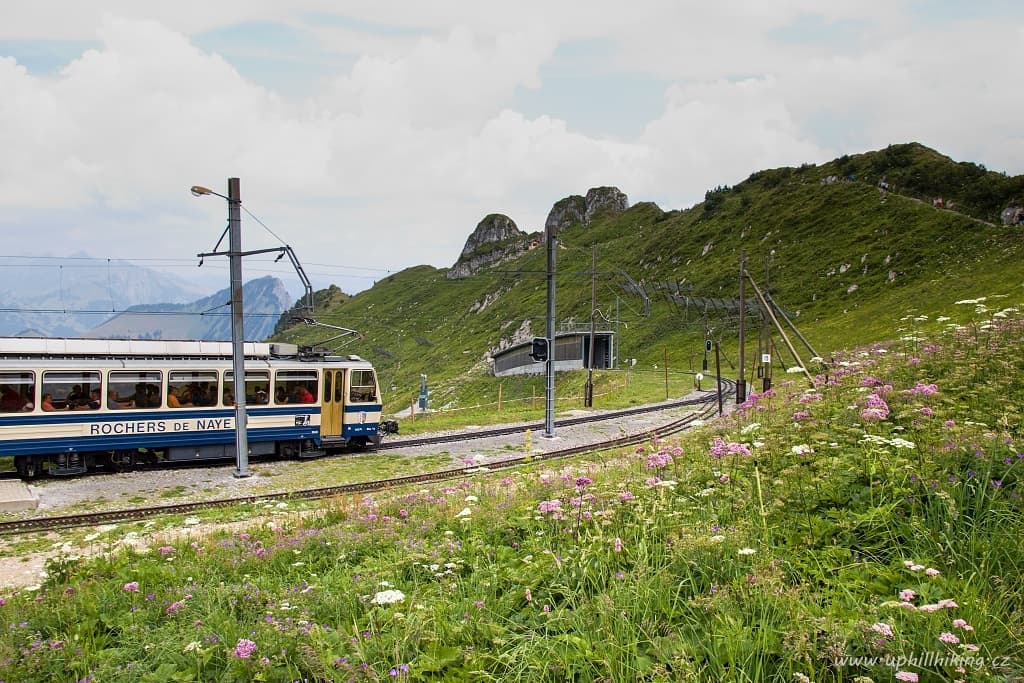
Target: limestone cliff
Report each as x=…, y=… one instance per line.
x=576, y=209
x=496, y=239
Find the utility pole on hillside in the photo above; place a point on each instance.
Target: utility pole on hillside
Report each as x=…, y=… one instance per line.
x=741, y=384
x=588, y=391
x=766, y=354
x=549, y=363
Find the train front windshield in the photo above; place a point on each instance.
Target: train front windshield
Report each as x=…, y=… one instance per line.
x=362, y=387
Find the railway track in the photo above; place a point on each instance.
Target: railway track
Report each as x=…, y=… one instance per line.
x=708, y=407
x=410, y=442
x=392, y=444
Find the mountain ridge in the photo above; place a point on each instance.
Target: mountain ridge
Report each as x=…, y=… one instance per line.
x=205, y=319
x=847, y=255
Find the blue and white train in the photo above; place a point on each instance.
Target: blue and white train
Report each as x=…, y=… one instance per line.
x=70, y=405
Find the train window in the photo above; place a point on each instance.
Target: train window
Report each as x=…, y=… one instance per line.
x=257, y=391
x=17, y=391
x=295, y=386
x=134, y=389
x=191, y=388
x=328, y=376
x=361, y=387
x=71, y=390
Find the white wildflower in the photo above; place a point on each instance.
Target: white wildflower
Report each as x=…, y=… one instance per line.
x=745, y=551
x=388, y=597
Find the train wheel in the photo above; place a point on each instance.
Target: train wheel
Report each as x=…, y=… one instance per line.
x=27, y=466
x=121, y=461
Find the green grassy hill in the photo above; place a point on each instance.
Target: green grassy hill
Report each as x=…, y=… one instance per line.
x=851, y=262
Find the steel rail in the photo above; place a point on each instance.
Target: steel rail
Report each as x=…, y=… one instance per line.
x=535, y=426
x=35, y=524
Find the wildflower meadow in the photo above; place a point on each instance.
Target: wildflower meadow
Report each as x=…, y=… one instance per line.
x=868, y=528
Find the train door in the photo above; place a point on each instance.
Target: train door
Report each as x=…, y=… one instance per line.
x=333, y=405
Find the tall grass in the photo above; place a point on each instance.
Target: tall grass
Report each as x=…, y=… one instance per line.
x=869, y=530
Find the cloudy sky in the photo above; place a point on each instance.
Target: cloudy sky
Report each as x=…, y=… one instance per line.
x=373, y=135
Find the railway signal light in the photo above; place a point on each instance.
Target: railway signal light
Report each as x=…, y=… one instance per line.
x=540, y=349
x=707, y=344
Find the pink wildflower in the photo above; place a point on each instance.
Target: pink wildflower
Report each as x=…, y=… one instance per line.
x=529, y=595
x=883, y=629
x=961, y=624
x=924, y=389
x=907, y=595
x=618, y=544
x=931, y=571
x=244, y=648
x=949, y=639
x=550, y=506
x=132, y=586
x=720, y=448
x=659, y=460
x=906, y=676
x=875, y=410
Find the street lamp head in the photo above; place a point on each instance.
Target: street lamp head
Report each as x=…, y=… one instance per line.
x=199, y=191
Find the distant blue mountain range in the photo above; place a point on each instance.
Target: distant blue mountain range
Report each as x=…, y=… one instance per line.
x=82, y=298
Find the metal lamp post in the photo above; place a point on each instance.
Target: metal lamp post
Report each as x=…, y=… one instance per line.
x=234, y=253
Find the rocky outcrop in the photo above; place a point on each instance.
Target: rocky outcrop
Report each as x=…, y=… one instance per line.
x=496, y=239
x=566, y=212
x=605, y=199
x=576, y=209
x=1013, y=215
